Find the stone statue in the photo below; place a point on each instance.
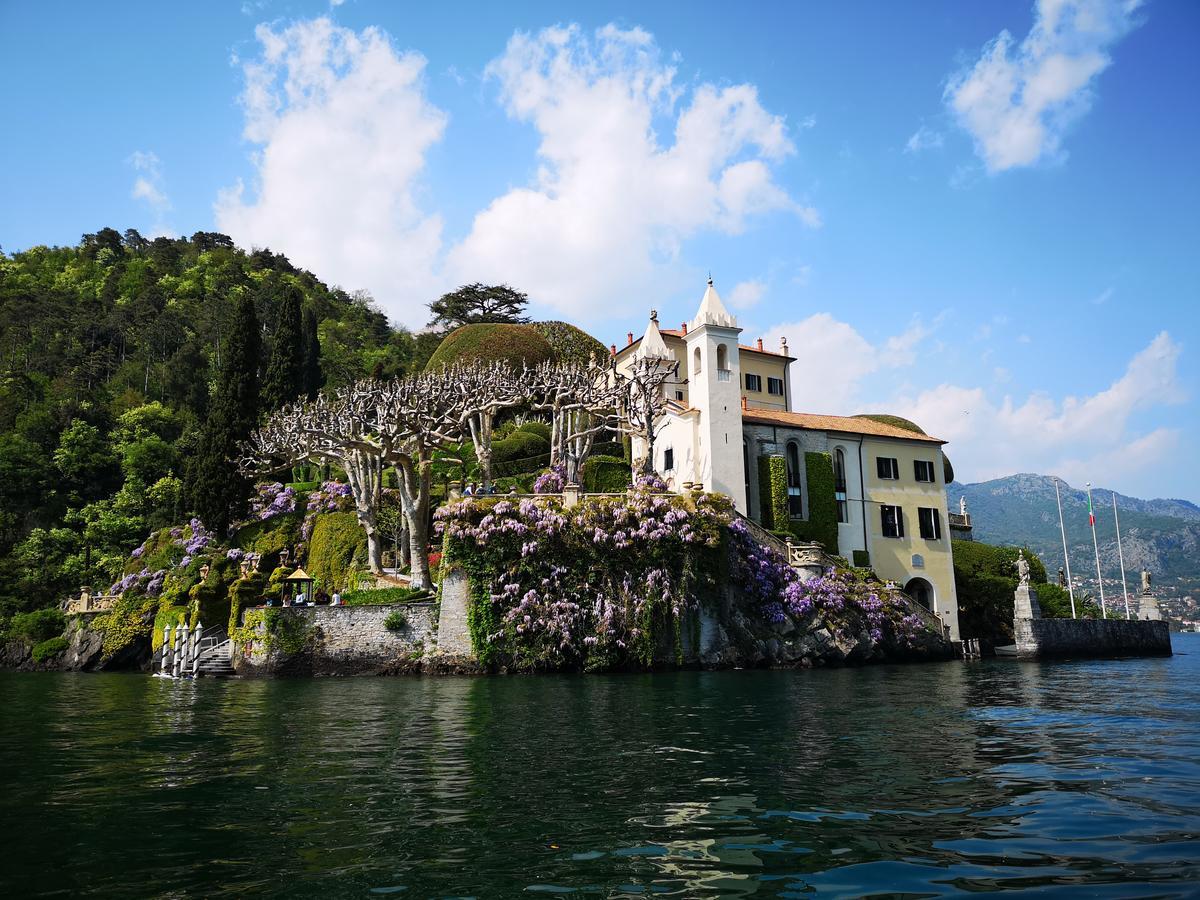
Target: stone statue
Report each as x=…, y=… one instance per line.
x=1022, y=565
x=962, y=505
x=1145, y=581
x=204, y=570
x=1062, y=577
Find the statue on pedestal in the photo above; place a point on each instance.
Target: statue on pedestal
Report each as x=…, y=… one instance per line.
x=962, y=505
x=1145, y=581
x=1022, y=565
x=1062, y=577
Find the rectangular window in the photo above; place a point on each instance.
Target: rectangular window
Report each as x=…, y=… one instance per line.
x=775, y=386
x=668, y=459
x=753, y=382
x=843, y=508
x=679, y=395
x=887, y=467
x=924, y=470
x=892, y=521
x=931, y=523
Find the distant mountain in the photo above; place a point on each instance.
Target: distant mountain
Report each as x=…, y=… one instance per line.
x=1160, y=535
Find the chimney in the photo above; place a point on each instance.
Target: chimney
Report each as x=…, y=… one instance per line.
x=613, y=350
x=628, y=338
x=760, y=343
x=683, y=327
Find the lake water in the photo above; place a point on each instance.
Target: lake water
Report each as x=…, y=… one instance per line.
x=1072, y=778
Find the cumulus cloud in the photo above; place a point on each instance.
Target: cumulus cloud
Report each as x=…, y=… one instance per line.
x=746, y=294
x=1017, y=100
x=601, y=225
x=828, y=345
x=1080, y=438
x=148, y=187
x=342, y=124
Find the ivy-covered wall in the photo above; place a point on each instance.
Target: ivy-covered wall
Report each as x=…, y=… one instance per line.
x=338, y=547
x=821, y=525
x=772, y=492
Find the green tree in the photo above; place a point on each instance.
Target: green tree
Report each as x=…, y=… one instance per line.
x=85, y=460
x=311, y=378
x=284, y=381
x=218, y=491
x=473, y=303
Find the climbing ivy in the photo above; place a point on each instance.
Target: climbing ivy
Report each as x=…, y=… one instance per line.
x=772, y=492
x=821, y=525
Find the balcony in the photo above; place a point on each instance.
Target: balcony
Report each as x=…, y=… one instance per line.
x=724, y=374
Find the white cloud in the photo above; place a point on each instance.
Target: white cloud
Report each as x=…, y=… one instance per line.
x=149, y=187
x=924, y=138
x=1018, y=100
x=746, y=294
x=1080, y=438
x=602, y=223
x=1104, y=296
x=844, y=357
x=343, y=125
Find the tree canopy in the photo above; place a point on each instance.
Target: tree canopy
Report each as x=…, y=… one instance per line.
x=475, y=303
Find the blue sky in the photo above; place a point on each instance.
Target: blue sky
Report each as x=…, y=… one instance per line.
x=982, y=216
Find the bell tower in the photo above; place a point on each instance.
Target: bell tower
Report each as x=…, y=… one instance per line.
x=714, y=391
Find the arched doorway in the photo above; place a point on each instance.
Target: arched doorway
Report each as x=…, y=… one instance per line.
x=921, y=591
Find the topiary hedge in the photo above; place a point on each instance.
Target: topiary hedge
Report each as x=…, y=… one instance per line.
x=492, y=342
x=541, y=429
x=570, y=343
x=338, y=547
x=606, y=475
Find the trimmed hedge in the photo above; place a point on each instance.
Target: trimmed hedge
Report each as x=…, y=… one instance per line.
x=541, y=429
x=862, y=559
x=519, y=445
x=491, y=342
x=338, y=547
x=383, y=596
x=606, y=475
x=570, y=343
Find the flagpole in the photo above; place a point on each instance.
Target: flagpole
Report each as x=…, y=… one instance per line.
x=1096, y=547
x=1121, y=554
x=1066, y=559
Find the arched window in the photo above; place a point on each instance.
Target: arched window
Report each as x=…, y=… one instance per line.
x=795, y=501
x=921, y=591
x=722, y=358
x=839, y=484
x=696, y=361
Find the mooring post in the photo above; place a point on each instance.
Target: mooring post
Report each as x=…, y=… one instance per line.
x=165, y=662
x=185, y=661
x=175, y=653
x=196, y=648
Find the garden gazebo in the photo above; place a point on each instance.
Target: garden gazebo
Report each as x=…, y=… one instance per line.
x=299, y=585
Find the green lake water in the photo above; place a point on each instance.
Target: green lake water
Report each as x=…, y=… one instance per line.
x=1071, y=778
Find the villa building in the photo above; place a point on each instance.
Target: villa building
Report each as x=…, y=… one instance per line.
x=730, y=427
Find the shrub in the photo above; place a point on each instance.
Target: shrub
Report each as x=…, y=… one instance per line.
x=862, y=559
x=985, y=578
x=491, y=342
x=541, y=429
x=570, y=343
x=522, y=451
x=338, y=547
x=821, y=525
x=606, y=475
x=772, y=492
x=49, y=648
x=395, y=621
x=38, y=626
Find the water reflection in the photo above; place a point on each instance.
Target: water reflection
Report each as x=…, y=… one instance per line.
x=930, y=779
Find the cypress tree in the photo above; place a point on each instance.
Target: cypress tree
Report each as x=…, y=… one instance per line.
x=284, y=381
x=312, y=379
x=219, y=492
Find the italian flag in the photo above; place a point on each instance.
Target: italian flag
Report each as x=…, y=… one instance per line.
x=1091, y=515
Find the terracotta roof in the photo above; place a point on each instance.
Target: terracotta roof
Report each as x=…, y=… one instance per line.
x=676, y=333
x=852, y=425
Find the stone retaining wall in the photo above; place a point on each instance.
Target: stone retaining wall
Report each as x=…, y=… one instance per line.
x=1039, y=638
x=342, y=640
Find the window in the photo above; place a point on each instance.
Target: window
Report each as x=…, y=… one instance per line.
x=775, y=386
x=892, y=521
x=839, y=485
x=887, y=467
x=722, y=358
x=753, y=382
x=924, y=470
x=930, y=521
x=795, y=500
x=668, y=459
x=679, y=395
x=696, y=361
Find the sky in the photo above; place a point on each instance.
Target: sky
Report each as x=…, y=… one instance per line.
x=981, y=216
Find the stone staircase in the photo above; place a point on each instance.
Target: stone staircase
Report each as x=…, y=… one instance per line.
x=216, y=660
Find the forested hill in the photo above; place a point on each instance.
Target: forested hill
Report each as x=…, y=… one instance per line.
x=110, y=354
x=1160, y=535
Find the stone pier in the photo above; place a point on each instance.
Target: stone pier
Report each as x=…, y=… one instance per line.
x=1038, y=638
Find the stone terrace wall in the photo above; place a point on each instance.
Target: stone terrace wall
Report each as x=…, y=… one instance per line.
x=1038, y=638
x=345, y=640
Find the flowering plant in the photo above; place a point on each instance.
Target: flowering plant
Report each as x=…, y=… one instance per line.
x=272, y=499
x=552, y=480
